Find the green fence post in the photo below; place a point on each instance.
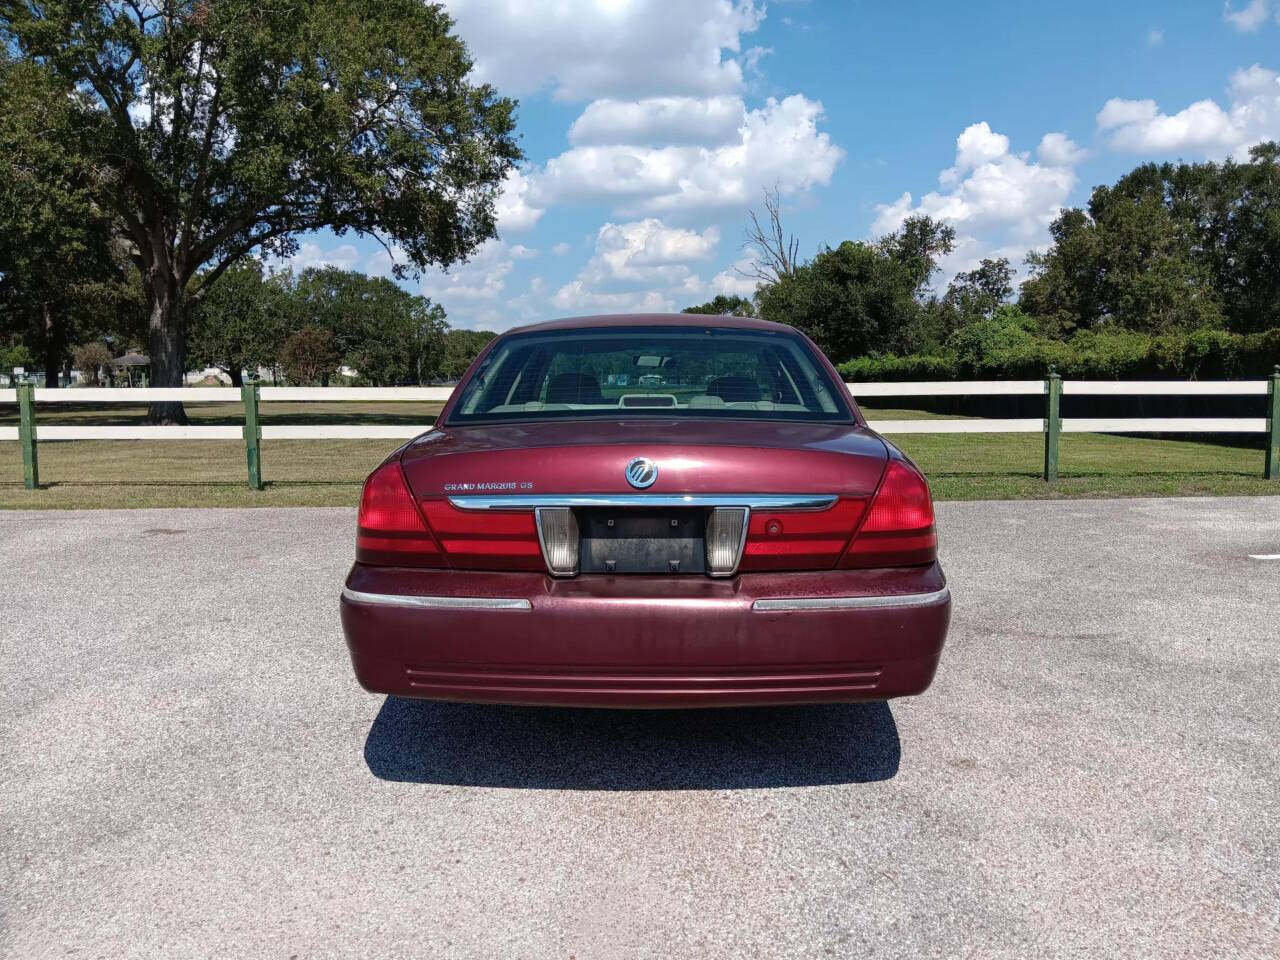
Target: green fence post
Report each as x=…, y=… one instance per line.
x=27, y=433
x=252, y=433
x=1052, y=424
x=1273, y=426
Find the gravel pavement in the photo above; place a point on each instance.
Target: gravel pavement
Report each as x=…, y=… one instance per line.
x=188, y=768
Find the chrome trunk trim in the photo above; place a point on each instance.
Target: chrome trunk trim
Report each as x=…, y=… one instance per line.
x=780, y=604
x=752, y=501
x=436, y=603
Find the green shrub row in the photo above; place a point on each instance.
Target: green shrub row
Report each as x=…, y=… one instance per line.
x=1089, y=355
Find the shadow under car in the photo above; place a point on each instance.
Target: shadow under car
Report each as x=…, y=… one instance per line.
x=423, y=741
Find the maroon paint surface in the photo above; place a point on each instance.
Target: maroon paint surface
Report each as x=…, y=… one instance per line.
x=647, y=641
x=695, y=456
x=644, y=641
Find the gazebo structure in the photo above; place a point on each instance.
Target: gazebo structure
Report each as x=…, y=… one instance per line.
x=131, y=370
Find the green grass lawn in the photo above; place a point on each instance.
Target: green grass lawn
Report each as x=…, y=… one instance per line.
x=1007, y=466
x=174, y=473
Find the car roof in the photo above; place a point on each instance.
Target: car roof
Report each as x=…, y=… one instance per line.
x=658, y=320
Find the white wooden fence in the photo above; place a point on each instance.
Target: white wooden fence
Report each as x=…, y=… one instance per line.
x=859, y=390
x=1138, y=388
x=138, y=395
x=1049, y=424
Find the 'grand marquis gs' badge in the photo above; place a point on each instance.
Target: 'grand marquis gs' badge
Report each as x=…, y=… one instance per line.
x=489, y=486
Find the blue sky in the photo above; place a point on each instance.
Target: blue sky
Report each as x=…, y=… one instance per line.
x=650, y=127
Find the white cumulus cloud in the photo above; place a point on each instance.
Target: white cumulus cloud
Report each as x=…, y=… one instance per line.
x=1059, y=150
x=999, y=201
x=733, y=282
x=1118, y=112
x=1204, y=127
x=779, y=143
x=584, y=49
x=344, y=256
x=482, y=278
x=1249, y=17
x=659, y=120
x=990, y=186
x=978, y=144
x=576, y=296
x=639, y=258
x=648, y=251
x=515, y=213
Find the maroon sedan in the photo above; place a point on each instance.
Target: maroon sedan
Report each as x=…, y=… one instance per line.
x=647, y=511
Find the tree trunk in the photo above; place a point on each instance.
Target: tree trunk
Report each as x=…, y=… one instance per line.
x=168, y=346
x=237, y=376
x=53, y=349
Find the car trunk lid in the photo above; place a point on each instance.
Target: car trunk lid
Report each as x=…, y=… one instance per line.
x=747, y=495
x=591, y=457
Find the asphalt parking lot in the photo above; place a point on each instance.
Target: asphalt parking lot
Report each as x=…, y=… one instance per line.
x=189, y=770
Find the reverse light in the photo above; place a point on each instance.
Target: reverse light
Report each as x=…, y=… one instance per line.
x=558, y=535
x=390, y=530
x=899, y=529
x=726, y=530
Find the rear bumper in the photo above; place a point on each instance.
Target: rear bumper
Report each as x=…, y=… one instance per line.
x=645, y=641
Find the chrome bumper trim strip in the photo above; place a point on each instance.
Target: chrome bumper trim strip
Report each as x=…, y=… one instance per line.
x=853, y=603
x=753, y=501
x=437, y=603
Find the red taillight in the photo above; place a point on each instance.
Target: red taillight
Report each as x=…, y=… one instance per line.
x=389, y=530
x=485, y=539
x=800, y=540
x=898, y=530
x=394, y=530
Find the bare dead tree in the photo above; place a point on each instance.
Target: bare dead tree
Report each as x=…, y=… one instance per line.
x=774, y=251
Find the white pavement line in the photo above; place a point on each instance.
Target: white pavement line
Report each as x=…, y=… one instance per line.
x=1264, y=556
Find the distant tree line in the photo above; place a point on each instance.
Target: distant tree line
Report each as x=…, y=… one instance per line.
x=305, y=328
x=1172, y=271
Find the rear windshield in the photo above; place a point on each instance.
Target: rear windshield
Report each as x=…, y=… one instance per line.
x=650, y=371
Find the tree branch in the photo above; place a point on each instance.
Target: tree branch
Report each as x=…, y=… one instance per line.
x=775, y=251
x=243, y=250
x=198, y=201
x=135, y=166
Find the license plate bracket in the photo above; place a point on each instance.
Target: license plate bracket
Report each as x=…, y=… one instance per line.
x=641, y=541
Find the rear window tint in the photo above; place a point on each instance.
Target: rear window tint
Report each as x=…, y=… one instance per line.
x=650, y=371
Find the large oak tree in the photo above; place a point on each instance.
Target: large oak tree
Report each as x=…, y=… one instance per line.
x=224, y=128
